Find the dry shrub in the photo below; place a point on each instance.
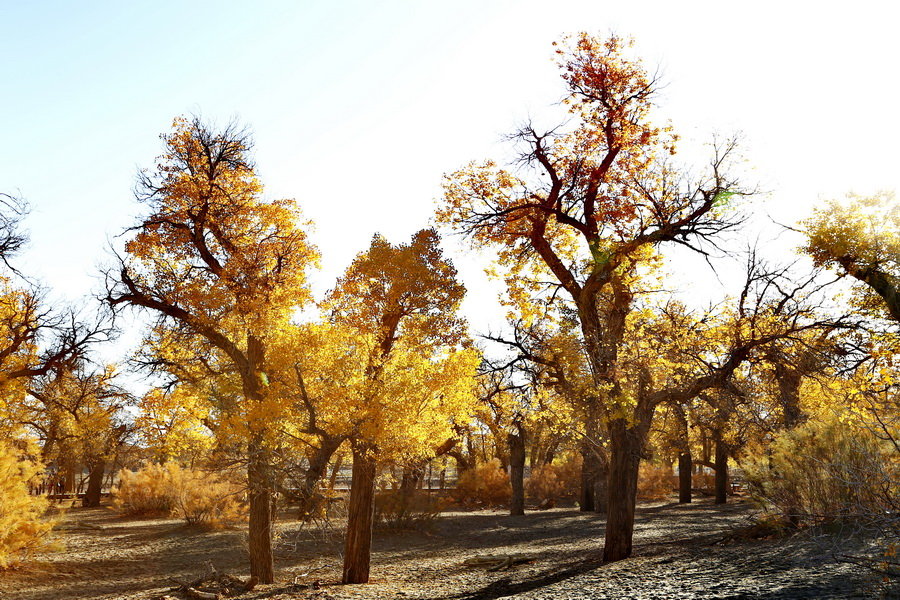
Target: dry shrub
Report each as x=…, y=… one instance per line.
x=544, y=484
x=207, y=500
x=149, y=491
x=169, y=490
x=23, y=528
x=556, y=480
x=827, y=471
x=654, y=482
x=400, y=509
x=483, y=485
x=705, y=482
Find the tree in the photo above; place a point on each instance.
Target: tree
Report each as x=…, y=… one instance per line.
x=78, y=417
x=861, y=239
x=587, y=206
x=215, y=264
x=401, y=302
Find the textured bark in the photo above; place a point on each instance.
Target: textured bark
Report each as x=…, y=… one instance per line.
x=517, y=471
x=601, y=485
x=684, y=456
x=626, y=444
x=684, y=476
x=721, y=469
x=358, y=545
x=589, y=473
x=310, y=498
x=410, y=481
x=95, y=483
x=594, y=470
x=260, y=483
x=789, y=381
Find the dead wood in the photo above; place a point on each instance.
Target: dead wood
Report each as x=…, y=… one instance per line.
x=193, y=593
x=498, y=562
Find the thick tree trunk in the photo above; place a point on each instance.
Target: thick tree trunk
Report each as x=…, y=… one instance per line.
x=68, y=479
x=462, y=462
x=625, y=457
x=517, y=471
x=789, y=382
x=589, y=467
x=684, y=476
x=721, y=469
x=594, y=471
x=95, y=483
x=260, y=483
x=310, y=498
x=358, y=546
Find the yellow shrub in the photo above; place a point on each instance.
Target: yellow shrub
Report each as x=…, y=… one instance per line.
x=150, y=491
x=416, y=510
x=655, y=482
x=168, y=489
x=23, y=530
x=486, y=484
x=208, y=500
x=824, y=471
x=556, y=480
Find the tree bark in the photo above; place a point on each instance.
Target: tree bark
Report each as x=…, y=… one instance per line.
x=684, y=476
x=95, y=483
x=586, y=499
x=517, y=471
x=409, y=483
x=310, y=498
x=789, y=382
x=721, y=469
x=625, y=456
x=259, y=480
x=594, y=472
x=358, y=545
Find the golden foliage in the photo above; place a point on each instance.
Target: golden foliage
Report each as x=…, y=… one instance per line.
x=861, y=237
x=484, y=484
x=406, y=509
x=827, y=470
x=23, y=528
x=655, y=482
x=555, y=480
x=168, y=489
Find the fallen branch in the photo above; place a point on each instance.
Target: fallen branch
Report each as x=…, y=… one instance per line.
x=193, y=593
x=499, y=562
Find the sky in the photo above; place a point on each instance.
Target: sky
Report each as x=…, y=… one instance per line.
x=358, y=108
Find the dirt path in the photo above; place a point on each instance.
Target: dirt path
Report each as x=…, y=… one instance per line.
x=681, y=551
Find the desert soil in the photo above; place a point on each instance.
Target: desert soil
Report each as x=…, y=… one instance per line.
x=680, y=551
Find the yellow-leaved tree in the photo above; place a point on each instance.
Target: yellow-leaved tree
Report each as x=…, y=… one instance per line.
x=401, y=302
x=578, y=217
x=217, y=265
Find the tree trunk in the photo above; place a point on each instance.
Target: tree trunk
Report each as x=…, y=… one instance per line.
x=594, y=471
x=684, y=476
x=517, y=471
x=589, y=467
x=310, y=498
x=259, y=480
x=409, y=483
x=789, y=382
x=625, y=458
x=721, y=469
x=95, y=483
x=358, y=546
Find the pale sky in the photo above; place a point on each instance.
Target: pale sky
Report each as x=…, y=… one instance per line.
x=358, y=108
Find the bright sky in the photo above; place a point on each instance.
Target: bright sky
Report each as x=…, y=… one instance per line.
x=359, y=107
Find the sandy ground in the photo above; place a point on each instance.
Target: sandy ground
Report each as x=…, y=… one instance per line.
x=681, y=551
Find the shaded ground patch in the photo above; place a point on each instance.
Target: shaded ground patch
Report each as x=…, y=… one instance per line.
x=680, y=551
